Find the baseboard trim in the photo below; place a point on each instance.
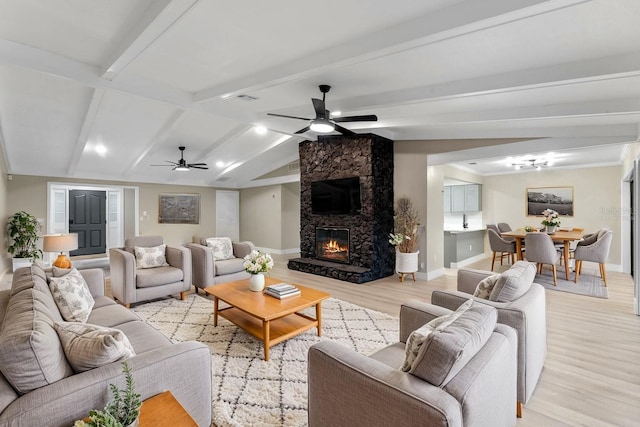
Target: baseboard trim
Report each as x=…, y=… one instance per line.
x=468, y=261
x=433, y=274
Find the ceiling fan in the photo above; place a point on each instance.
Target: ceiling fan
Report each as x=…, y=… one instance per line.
x=323, y=122
x=182, y=165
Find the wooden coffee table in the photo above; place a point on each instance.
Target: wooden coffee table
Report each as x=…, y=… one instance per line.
x=267, y=318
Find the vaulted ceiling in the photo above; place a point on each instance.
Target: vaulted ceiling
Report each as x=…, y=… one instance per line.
x=106, y=89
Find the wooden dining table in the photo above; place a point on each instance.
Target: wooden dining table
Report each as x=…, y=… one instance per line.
x=559, y=236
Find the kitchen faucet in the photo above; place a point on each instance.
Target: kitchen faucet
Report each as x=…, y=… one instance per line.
x=465, y=224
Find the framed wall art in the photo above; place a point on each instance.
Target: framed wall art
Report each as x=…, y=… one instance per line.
x=179, y=209
x=560, y=199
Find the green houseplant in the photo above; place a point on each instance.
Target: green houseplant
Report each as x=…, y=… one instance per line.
x=23, y=232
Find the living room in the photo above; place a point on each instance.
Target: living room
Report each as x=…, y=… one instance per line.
x=100, y=96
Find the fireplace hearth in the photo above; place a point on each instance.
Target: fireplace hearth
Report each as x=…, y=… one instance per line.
x=332, y=244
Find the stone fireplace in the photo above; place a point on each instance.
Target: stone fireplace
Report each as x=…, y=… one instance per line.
x=364, y=254
x=332, y=244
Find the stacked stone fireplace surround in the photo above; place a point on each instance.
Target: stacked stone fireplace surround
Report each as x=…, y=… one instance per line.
x=369, y=157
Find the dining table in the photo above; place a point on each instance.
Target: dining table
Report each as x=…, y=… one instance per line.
x=566, y=236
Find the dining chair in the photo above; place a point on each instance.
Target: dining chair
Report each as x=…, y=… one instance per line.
x=500, y=245
x=541, y=250
x=594, y=251
x=503, y=227
x=572, y=245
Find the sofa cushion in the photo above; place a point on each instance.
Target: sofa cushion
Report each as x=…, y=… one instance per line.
x=514, y=282
x=157, y=276
x=418, y=337
x=143, y=337
x=447, y=351
x=31, y=355
x=221, y=246
x=91, y=346
x=229, y=266
x=150, y=257
x=112, y=316
x=486, y=285
x=72, y=296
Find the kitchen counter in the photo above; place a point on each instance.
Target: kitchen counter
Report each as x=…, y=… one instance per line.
x=463, y=230
x=461, y=244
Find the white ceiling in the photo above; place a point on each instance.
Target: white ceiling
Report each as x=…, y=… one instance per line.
x=142, y=77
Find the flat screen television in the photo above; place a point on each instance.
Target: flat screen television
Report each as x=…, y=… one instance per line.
x=336, y=196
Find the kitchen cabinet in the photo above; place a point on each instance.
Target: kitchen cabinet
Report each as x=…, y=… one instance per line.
x=460, y=245
x=463, y=198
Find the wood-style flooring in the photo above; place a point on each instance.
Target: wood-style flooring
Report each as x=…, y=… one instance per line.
x=592, y=371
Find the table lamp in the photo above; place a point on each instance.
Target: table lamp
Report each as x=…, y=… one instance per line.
x=60, y=243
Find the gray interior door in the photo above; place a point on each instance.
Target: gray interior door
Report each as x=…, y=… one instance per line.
x=87, y=217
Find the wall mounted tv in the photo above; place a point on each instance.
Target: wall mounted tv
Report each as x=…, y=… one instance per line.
x=336, y=196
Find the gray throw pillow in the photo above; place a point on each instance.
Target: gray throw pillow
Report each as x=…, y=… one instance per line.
x=486, y=285
x=151, y=256
x=72, y=296
x=514, y=282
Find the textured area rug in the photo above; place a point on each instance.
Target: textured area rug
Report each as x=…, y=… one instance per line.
x=247, y=390
x=589, y=283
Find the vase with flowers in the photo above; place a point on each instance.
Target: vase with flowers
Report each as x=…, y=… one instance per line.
x=551, y=220
x=257, y=263
x=406, y=236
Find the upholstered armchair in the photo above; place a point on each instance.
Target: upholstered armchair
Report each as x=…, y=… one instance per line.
x=541, y=250
x=464, y=376
x=145, y=269
x=524, y=309
x=594, y=248
x=500, y=245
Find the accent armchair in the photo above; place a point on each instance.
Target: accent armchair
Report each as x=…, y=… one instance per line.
x=141, y=270
x=526, y=313
x=500, y=245
x=594, y=248
x=467, y=376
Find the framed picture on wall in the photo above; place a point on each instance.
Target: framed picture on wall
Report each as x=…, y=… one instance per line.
x=560, y=199
x=179, y=209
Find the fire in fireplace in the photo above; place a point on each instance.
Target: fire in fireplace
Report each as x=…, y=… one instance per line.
x=332, y=244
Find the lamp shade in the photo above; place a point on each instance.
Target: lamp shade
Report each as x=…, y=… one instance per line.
x=60, y=242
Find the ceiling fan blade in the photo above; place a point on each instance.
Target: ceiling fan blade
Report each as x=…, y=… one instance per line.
x=365, y=118
x=160, y=165
x=344, y=131
x=318, y=105
x=286, y=117
x=303, y=130
x=195, y=166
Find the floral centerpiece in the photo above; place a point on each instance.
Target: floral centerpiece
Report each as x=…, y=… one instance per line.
x=257, y=263
x=551, y=219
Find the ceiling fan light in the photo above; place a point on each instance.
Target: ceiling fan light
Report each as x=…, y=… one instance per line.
x=321, y=126
x=181, y=168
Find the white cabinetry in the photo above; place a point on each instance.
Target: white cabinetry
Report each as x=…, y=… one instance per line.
x=463, y=198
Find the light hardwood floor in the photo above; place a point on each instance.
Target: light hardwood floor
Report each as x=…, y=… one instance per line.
x=592, y=371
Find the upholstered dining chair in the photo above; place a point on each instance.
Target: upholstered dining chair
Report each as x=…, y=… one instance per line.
x=595, y=251
x=500, y=245
x=503, y=227
x=541, y=250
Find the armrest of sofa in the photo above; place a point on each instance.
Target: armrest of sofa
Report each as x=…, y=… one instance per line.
x=414, y=314
x=180, y=257
x=186, y=372
x=348, y=388
x=468, y=279
x=242, y=249
x=122, y=265
x=95, y=280
x=203, y=265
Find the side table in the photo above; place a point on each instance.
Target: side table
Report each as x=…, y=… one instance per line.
x=164, y=410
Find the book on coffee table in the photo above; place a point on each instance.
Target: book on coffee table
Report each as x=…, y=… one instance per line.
x=282, y=290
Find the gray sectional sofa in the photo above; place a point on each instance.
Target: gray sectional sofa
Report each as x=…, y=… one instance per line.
x=38, y=386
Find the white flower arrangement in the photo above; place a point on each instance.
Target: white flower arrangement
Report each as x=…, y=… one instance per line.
x=551, y=217
x=257, y=262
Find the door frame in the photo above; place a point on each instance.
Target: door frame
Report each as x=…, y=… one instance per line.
x=115, y=240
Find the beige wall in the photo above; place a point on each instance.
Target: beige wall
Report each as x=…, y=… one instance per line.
x=5, y=212
x=291, y=216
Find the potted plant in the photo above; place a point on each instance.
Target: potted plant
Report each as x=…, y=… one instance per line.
x=551, y=220
x=22, y=230
x=406, y=236
x=122, y=411
x=257, y=263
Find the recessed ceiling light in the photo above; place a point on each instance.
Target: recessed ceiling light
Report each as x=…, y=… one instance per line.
x=260, y=130
x=101, y=149
x=336, y=113
x=220, y=164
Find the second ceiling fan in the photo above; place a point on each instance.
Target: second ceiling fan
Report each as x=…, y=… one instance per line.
x=323, y=122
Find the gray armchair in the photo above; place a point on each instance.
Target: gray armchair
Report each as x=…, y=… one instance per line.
x=130, y=284
x=500, y=245
x=594, y=251
x=348, y=389
x=541, y=250
x=526, y=314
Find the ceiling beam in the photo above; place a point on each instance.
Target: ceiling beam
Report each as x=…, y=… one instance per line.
x=463, y=18
x=224, y=140
x=87, y=124
x=266, y=167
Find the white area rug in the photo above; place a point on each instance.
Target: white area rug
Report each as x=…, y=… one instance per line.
x=248, y=391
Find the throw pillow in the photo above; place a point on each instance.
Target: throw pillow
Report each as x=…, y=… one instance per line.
x=59, y=272
x=72, y=296
x=484, y=288
x=514, y=282
x=221, y=246
x=420, y=335
x=91, y=346
x=150, y=257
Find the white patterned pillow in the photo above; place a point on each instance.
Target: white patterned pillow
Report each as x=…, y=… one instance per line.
x=91, y=346
x=150, y=257
x=72, y=296
x=221, y=246
x=484, y=288
x=420, y=335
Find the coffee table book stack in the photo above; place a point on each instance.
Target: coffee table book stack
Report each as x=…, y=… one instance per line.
x=282, y=290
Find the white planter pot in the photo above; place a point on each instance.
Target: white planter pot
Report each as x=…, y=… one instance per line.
x=21, y=262
x=407, y=263
x=256, y=282
x=551, y=229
